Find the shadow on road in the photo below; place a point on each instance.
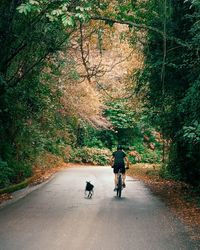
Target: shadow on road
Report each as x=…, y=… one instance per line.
x=117, y=199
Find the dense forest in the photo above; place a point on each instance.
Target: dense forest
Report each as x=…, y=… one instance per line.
x=79, y=77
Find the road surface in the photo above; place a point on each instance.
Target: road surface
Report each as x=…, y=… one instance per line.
x=57, y=216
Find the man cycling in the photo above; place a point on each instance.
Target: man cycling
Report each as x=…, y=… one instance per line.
x=118, y=162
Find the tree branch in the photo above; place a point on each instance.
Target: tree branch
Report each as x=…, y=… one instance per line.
x=21, y=47
x=141, y=26
x=36, y=63
x=82, y=54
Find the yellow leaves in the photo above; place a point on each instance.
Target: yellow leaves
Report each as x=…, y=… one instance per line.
x=102, y=65
x=82, y=101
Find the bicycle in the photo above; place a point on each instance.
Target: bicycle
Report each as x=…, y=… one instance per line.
x=119, y=183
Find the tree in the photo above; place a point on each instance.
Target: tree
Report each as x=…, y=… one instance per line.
x=171, y=96
x=29, y=101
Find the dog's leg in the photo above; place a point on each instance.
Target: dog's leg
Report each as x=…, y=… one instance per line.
x=89, y=195
x=92, y=192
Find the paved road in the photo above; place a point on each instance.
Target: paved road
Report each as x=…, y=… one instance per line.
x=58, y=217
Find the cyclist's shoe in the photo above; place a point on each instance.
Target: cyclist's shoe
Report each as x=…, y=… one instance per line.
x=115, y=189
x=124, y=185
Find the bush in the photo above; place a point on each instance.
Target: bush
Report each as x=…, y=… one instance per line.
x=20, y=171
x=147, y=155
x=94, y=156
x=5, y=174
x=13, y=172
x=164, y=172
x=47, y=160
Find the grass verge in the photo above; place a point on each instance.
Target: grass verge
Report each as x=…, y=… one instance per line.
x=16, y=187
x=39, y=176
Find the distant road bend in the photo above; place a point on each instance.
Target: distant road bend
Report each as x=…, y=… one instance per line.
x=56, y=216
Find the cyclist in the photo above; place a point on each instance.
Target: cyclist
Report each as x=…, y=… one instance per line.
x=118, y=162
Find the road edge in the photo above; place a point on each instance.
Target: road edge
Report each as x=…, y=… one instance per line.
x=21, y=193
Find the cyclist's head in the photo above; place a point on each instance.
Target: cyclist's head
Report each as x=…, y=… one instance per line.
x=119, y=147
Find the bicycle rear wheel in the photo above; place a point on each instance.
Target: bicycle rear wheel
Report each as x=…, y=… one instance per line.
x=119, y=186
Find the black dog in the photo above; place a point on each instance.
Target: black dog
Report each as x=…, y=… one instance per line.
x=89, y=188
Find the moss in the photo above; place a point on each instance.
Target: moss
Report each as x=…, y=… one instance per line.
x=16, y=187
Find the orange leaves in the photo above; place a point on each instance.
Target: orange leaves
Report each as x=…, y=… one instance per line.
x=174, y=194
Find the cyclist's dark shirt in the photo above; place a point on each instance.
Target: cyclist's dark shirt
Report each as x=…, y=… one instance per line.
x=119, y=156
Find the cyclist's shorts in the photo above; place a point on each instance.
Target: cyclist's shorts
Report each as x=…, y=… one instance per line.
x=116, y=169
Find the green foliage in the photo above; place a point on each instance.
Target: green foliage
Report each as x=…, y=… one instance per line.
x=32, y=123
x=30, y=117
x=66, y=12
x=20, y=171
x=124, y=121
x=191, y=134
x=173, y=104
x=13, y=172
x=100, y=138
x=94, y=142
x=108, y=138
x=94, y=156
x=120, y=115
x=166, y=174
x=147, y=155
x=5, y=174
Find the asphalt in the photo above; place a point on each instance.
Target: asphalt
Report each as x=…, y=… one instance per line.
x=58, y=216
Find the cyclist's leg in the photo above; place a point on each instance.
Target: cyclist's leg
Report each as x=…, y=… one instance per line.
x=115, y=171
x=115, y=180
x=124, y=178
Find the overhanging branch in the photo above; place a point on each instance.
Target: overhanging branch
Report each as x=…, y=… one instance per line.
x=140, y=26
